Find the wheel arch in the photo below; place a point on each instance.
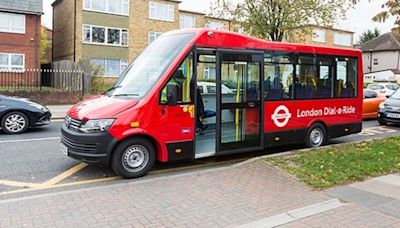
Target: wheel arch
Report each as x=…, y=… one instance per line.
x=151, y=139
x=318, y=122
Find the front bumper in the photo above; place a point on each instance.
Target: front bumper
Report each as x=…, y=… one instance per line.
x=43, y=119
x=94, y=148
x=383, y=116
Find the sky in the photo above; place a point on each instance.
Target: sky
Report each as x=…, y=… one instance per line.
x=357, y=20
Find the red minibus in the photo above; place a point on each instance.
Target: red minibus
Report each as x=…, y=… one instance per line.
x=201, y=92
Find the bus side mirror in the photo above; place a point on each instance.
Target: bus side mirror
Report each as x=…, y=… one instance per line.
x=172, y=94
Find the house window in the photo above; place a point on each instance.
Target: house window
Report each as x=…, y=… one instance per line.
x=342, y=39
x=93, y=34
x=12, y=23
x=319, y=35
x=110, y=67
x=153, y=36
x=120, y=7
x=12, y=62
x=187, y=22
x=215, y=25
x=163, y=12
x=376, y=62
x=209, y=73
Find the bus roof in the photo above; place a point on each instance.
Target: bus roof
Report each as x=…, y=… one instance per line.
x=211, y=38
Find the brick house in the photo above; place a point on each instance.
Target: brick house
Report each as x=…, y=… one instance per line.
x=323, y=36
x=20, y=34
x=112, y=33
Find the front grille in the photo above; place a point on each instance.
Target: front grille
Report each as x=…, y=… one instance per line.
x=72, y=123
x=393, y=109
x=80, y=147
x=75, y=123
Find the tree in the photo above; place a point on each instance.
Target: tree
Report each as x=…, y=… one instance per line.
x=44, y=45
x=369, y=35
x=272, y=19
x=392, y=9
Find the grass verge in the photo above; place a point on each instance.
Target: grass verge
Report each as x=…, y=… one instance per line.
x=342, y=164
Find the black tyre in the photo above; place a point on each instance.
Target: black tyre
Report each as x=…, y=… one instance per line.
x=316, y=136
x=381, y=121
x=14, y=122
x=133, y=158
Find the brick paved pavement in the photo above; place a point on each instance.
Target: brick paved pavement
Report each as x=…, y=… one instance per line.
x=350, y=215
x=217, y=198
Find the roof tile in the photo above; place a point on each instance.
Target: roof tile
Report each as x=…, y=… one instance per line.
x=24, y=6
x=385, y=42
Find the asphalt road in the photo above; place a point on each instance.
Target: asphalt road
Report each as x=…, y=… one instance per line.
x=31, y=162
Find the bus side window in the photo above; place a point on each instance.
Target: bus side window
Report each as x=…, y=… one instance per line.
x=278, y=78
x=346, y=78
x=182, y=78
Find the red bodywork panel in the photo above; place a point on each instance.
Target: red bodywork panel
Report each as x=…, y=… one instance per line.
x=168, y=124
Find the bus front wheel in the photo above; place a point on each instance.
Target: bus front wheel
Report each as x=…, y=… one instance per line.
x=316, y=136
x=133, y=158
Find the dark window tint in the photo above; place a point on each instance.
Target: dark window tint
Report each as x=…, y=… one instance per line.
x=346, y=78
x=306, y=83
x=211, y=89
x=369, y=94
x=278, y=80
x=200, y=89
x=392, y=87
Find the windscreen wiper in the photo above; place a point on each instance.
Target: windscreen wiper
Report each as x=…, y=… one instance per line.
x=112, y=88
x=126, y=95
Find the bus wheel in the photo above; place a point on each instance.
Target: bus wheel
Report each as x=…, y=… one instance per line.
x=133, y=158
x=316, y=136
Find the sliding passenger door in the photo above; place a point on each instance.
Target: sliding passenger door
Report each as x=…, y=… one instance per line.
x=239, y=101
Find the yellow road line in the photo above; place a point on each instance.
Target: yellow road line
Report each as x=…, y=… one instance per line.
x=52, y=183
x=65, y=174
x=43, y=187
x=18, y=184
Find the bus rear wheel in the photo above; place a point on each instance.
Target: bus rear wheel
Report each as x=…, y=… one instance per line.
x=133, y=158
x=316, y=136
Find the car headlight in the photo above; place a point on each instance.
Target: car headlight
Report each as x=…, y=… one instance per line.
x=382, y=106
x=92, y=126
x=38, y=106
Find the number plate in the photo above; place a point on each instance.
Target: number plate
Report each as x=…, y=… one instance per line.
x=393, y=115
x=63, y=149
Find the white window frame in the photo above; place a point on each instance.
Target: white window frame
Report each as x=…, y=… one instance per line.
x=9, y=66
x=10, y=27
x=170, y=12
x=319, y=35
x=157, y=34
x=338, y=39
x=182, y=18
x=124, y=2
x=121, y=30
x=122, y=63
x=220, y=27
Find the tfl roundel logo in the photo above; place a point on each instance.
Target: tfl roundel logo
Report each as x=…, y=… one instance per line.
x=281, y=116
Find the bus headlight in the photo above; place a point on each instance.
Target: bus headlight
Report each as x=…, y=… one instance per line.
x=93, y=126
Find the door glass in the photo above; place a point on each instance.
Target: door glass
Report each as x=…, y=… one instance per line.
x=240, y=104
x=240, y=82
x=206, y=105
